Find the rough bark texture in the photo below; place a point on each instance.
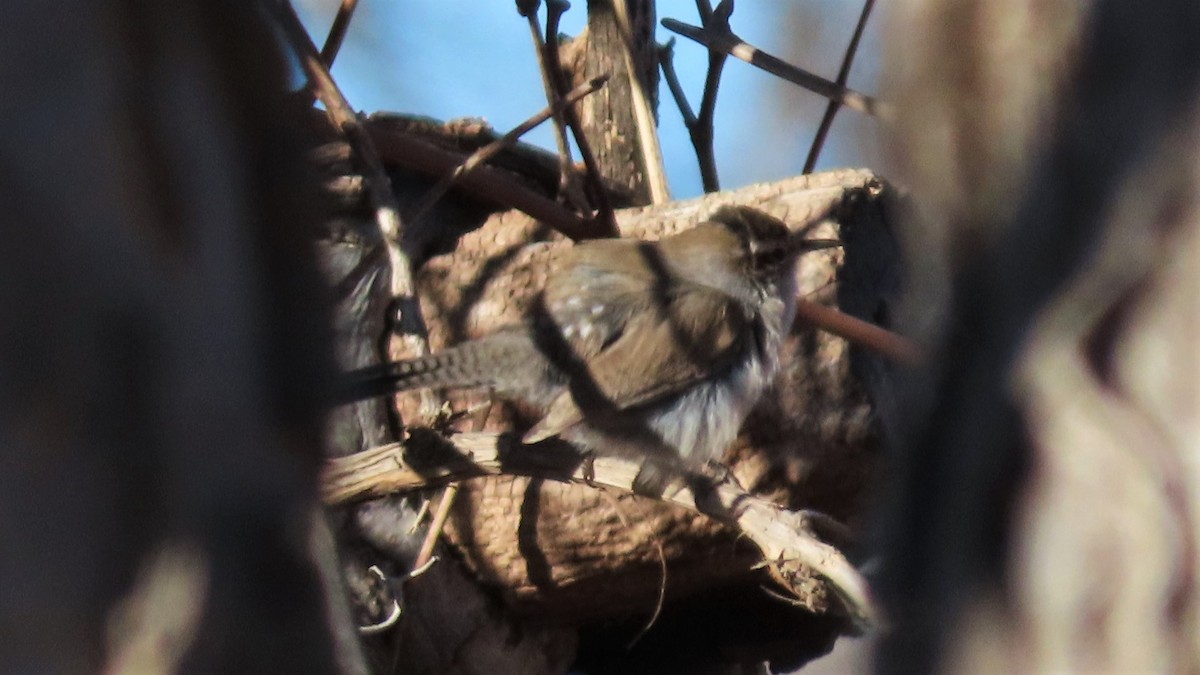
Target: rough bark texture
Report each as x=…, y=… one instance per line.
x=608, y=117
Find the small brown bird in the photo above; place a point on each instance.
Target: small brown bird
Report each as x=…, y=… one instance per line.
x=655, y=351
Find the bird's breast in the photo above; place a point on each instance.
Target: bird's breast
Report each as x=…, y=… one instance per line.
x=701, y=423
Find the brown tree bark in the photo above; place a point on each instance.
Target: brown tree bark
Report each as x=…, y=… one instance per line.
x=626, y=151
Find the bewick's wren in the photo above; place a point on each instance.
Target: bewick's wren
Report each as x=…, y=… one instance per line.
x=651, y=350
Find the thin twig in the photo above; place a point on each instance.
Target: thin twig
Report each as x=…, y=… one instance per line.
x=409, y=321
x=339, y=111
x=435, y=527
x=702, y=142
x=892, y=345
x=702, y=133
x=607, y=219
x=425, y=556
x=606, y=222
x=700, y=127
x=702, y=136
x=661, y=600
x=719, y=37
x=485, y=181
x=490, y=150
x=565, y=163
x=421, y=513
x=666, y=61
x=422, y=569
x=843, y=76
x=337, y=32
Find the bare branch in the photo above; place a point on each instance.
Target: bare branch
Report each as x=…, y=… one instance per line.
x=489, y=183
x=409, y=322
x=719, y=37
x=488, y=151
x=892, y=345
x=700, y=128
x=786, y=538
x=666, y=61
x=337, y=32
x=702, y=134
x=555, y=88
x=566, y=164
x=843, y=76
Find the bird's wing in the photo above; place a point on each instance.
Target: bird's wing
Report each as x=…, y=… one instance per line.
x=657, y=349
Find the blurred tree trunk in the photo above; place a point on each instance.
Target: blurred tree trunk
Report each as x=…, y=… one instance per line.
x=164, y=352
x=1046, y=512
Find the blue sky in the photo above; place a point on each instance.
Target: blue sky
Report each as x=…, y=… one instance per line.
x=473, y=58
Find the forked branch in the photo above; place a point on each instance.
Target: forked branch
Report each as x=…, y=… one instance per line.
x=700, y=127
x=717, y=35
x=831, y=109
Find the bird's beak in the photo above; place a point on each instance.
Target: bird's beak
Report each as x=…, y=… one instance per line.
x=805, y=245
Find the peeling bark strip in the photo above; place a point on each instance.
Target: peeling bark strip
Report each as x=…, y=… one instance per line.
x=621, y=122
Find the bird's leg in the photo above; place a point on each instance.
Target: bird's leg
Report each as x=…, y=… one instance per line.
x=589, y=468
x=718, y=472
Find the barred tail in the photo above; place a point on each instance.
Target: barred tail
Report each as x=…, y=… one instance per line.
x=473, y=364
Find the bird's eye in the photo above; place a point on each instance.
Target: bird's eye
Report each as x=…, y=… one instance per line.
x=771, y=256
